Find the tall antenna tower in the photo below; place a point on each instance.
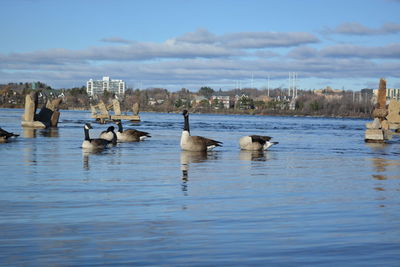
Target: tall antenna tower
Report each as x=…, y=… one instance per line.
x=293, y=78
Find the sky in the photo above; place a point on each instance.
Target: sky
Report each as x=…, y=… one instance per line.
x=223, y=44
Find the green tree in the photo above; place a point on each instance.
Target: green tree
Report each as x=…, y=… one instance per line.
x=315, y=105
x=215, y=102
x=204, y=103
x=259, y=104
x=179, y=103
x=207, y=92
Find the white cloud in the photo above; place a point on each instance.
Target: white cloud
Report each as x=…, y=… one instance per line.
x=268, y=39
x=199, y=36
x=136, y=51
x=303, y=52
x=249, y=40
x=202, y=58
x=354, y=28
x=116, y=40
x=391, y=51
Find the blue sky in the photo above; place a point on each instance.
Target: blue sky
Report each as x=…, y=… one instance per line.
x=189, y=44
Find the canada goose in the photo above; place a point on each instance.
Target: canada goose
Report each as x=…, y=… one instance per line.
x=98, y=143
x=4, y=135
x=195, y=143
x=256, y=142
x=130, y=135
x=109, y=135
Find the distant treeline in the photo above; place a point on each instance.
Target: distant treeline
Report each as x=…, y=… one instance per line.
x=278, y=101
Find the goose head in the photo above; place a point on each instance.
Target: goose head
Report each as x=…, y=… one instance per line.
x=88, y=126
x=110, y=129
x=185, y=113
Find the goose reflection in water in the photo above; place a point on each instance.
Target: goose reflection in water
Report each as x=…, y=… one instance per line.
x=190, y=157
x=253, y=155
x=86, y=156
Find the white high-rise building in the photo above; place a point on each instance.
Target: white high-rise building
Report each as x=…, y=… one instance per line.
x=94, y=87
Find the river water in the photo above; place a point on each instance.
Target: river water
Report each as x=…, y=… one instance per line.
x=320, y=197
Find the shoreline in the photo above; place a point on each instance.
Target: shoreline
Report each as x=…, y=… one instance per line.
x=250, y=113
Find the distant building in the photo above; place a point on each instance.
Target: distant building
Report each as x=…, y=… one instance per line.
x=224, y=100
x=391, y=93
x=94, y=87
x=198, y=99
x=328, y=91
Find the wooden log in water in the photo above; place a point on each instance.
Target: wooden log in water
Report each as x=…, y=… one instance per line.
x=135, y=109
x=125, y=117
x=30, y=107
x=394, y=111
x=54, y=118
x=380, y=113
x=385, y=125
x=376, y=124
x=382, y=94
x=33, y=124
x=374, y=136
x=44, y=115
x=54, y=104
x=116, y=107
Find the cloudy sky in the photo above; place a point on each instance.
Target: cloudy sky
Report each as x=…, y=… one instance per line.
x=178, y=44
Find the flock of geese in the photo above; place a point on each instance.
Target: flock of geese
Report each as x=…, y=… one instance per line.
x=188, y=142
x=109, y=138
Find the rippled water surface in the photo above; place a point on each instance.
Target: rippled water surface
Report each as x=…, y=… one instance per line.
x=320, y=197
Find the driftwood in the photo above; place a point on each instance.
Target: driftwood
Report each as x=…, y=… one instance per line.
x=101, y=113
x=394, y=113
x=380, y=113
x=385, y=119
x=48, y=115
x=382, y=94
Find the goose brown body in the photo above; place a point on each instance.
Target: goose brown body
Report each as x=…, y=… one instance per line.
x=255, y=142
x=109, y=135
x=195, y=143
x=98, y=143
x=130, y=135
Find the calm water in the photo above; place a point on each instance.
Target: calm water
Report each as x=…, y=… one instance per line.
x=320, y=197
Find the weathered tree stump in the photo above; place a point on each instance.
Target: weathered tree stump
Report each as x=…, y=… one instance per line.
x=374, y=136
x=380, y=113
x=135, y=109
x=375, y=133
x=394, y=115
x=48, y=115
x=382, y=94
x=31, y=101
